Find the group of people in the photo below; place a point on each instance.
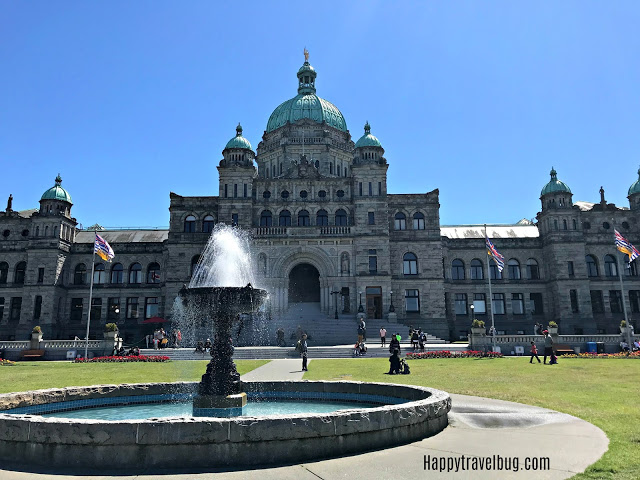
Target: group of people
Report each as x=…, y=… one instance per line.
x=121, y=352
x=548, y=348
x=161, y=339
x=624, y=346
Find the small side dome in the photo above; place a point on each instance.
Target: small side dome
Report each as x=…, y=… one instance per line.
x=555, y=185
x=368, y=140
x=635, y=187
x=57, y=192
x=238, y=141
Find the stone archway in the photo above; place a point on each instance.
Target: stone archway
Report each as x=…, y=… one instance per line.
x=304, y=284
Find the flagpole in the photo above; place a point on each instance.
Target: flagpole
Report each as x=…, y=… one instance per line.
x=624, y=303
x=93, y=263
x=493, y=328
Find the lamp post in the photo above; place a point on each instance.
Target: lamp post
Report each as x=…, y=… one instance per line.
x=472, y=307
x=360, y=308
x=391, y=307
x=335, y=300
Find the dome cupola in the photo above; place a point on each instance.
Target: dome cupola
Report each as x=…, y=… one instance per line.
x=57, y=192
x=635, y=186
x=555, y=185
x=238, y=141
x=306, y=104
x=368, y=140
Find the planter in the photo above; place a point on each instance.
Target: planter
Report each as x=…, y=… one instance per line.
x=478, y=331
x=623, y=330
x=36, y=338
x=110, y=335
x=553, y=330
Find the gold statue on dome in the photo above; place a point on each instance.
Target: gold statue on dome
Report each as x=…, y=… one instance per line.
x=306, y=54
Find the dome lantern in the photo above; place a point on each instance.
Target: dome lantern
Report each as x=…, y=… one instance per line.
x=57, y=192
x=555, y=185
x=238, y=141
x=635, y=186
x=368, y=140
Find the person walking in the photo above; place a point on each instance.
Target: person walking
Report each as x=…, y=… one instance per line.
x=303, y=351
x=383, y=336
x=534, y=352
x=360, y=331
x=548, y=346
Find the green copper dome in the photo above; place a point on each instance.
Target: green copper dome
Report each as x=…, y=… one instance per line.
x=368, y=140
x=555, y=185
x=635, y=187
x=306, y=105
x=57, y=192
x=238, y=141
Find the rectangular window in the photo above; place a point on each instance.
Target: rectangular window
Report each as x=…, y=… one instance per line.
x=41, y=275
x=132, y=307
x=226, y=190
x=16, y=309
x=113, y=309
x=379, y=188
x=75, y=315
x=570, y=269
x=498, y=304
x=360, y=188
x=411, y=301
x=37, y=307
x=597, y=304
x=372, y=218
x=370, y=189
x=96, y=309
x=615, y=301
x=234, y=219
x=517, y=303
x=151, y=307
x=573, y=297
x=634, y=299
x=235, y=190
x=535, y=303
x=479, y=304
x=373, y=265
x=461, y=304
x=245, y=190
x=99, y=274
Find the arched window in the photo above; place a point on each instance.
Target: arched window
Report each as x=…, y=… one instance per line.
x=285, y=218
x=610, y=266
x=153, y=273
x=418, y=221
x=37, y=231
x=400, y=221
x=194, y=264
x=564, y=224
x=341, y=217
x=514, y=269
x=117, y=273
x=533, y=272
x=80, y=274
x=190, y=224
x=135, y=273
x=99, y=274
x=477, y=272
x=630, y=269
x=303, y=218
x=495, y=273
x=409, y=264
x=592, y=266
x=322, y=218
x=21, y=269
x=208, y=223
x=4, y=272
x=266, y=219
x=457, y=269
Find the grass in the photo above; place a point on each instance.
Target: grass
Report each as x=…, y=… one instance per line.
x=603, y=392
x=38, y=375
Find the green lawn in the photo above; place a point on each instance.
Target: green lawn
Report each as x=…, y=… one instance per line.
x=37, y=375
x=605, y=392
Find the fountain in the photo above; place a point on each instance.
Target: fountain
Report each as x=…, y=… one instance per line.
x=377, y=415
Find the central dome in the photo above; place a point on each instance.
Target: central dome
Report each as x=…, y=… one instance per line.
x=306, y=105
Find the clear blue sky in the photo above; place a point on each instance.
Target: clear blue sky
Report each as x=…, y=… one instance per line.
x=132, y=100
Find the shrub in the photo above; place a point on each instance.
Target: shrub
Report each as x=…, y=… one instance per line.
x=635, y=355
x=130, y=358
x=553, y=324
x=477, y=323
x=455, y=354
x=111, y=327
x=623, y=323
x=6, y=363
x=36, y=329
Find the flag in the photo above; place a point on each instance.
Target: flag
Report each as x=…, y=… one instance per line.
x=499, y=259
x=625, y=246
x=103, y=249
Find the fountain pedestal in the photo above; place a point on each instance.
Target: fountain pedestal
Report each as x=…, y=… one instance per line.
x=219, y=405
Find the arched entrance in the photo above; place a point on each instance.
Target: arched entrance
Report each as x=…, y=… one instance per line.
x=304, y=284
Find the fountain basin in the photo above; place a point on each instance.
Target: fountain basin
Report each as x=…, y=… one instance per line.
x=215, y=442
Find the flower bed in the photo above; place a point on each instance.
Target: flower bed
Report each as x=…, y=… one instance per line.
x=6, y=363
x=450, y=354
x=129, y=358
x=635, y=355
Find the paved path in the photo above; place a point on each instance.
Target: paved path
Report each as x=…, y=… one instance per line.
x=478, y=428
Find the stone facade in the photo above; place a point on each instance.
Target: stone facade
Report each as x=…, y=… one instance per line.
x=311, y=196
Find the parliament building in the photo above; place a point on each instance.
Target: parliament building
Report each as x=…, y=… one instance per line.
x=329, y=240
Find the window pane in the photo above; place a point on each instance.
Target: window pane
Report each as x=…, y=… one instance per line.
x=461, y=304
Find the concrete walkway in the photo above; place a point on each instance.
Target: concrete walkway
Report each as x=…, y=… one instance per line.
x=479, y=428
